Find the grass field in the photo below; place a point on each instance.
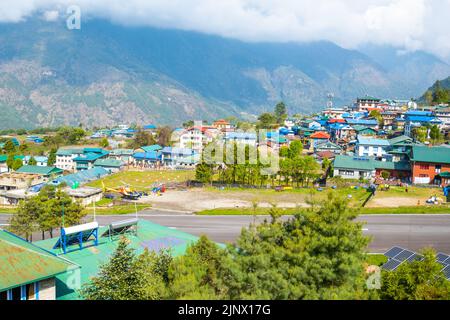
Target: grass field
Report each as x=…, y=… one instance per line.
x=444, y=209
x=376, y=260
x=142, y=180
x=7, y=210
x=123, y=209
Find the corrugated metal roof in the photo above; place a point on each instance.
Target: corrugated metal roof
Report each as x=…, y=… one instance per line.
x=152, y=236
x=22, y=262
x=108, y=163
x=42, y=170
x=431, y=154
x=372, y=141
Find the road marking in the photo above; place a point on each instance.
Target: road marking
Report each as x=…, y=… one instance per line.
x=4, y=224
x=172, y=227
x=365, y=229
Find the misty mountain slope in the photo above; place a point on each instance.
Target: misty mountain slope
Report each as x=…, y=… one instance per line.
x=105, y=74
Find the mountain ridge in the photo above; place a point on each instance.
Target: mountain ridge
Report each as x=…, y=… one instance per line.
x=105, y=73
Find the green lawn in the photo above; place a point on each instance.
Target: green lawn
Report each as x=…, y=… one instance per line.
x=7, y=210
x=124, y=209
x=265, y=211
x=244, y=211
x=376, y=259
x=143, y=180
x=436, y=209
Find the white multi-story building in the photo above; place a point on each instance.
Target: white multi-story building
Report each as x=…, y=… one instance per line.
x=372, y=147
x=196, y=137
x=64, y=158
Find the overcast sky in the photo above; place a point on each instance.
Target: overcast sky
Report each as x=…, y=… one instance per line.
x=409, y=24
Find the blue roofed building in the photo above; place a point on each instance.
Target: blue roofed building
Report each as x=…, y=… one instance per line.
x=372, y=147
x=415, y=119
x=371, y=123
x=81, y=177
x=171, y=156
x=248, y=138
x=147, y=159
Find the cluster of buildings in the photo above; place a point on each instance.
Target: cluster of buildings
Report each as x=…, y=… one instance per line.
x=382, y=147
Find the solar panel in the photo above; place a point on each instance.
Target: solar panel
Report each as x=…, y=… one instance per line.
x=405, y=254
x=447, y=261
x=441, y=257
x=446, y=272
x=415, y=257
x=393, y=252
x=391, y=264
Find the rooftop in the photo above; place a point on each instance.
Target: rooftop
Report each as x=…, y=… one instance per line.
x=149, y=236
x=431, y=154
x=22, y=262
x=40, y=170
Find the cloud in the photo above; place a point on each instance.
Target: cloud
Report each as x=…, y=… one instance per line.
x=51, y=15
x=407, y=24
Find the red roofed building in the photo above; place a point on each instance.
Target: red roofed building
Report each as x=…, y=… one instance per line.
x=222, y=124
x=320, y=135
x=337, y=120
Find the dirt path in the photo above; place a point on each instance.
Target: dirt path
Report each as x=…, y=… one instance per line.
x=199, y=199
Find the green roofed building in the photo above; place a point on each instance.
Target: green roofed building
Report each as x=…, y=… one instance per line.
x=28, y=272
x=40, y=170
x=143, y=235
x=354, y=167
x=428, y=163
x=113, y=165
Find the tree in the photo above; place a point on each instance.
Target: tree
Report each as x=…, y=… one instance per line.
x=376, y=114
x=435, y=134
x=280, y=112
x=17, y=164
x=71, y=135
x=420, y=134
x=141, y=139
x=104, y=143
x=164, y=135
x=428, y=97
x=9, y=147
x=32, y=161
x=24, y=147
x=51, y=157
x=418, y=280
x=200, y=273
x=318, y=254
x=127, y=276
x=203, y=172
x=188, y=124
x=45, y=211
x=10, y=161
x=385, y=174
x=295, y=149
x=266, y=121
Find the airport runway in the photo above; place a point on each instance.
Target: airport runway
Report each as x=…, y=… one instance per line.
x=410, y=231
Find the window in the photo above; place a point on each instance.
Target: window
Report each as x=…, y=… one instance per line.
x=16, y=293
x=423, y=175
x=438, y=168
x=424, y=167
x=29, y=291
x=3, y=295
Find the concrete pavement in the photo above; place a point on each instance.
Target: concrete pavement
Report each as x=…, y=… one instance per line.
x=409, y=231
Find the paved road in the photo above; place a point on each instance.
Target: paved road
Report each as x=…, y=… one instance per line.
x=409, y=231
